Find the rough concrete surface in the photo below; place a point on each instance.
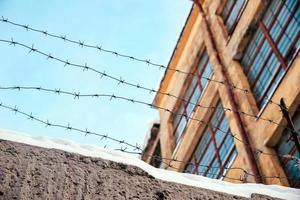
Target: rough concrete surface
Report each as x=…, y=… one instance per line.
x=29, y=172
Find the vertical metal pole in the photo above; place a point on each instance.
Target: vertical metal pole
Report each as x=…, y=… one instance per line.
x=211, y=41
x=290, y=124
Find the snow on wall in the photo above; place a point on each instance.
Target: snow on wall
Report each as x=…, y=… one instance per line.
x=244, y=190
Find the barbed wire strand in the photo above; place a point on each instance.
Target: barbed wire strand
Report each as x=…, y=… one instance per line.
x=138, y=86
x=77, y=95
x=68, y=127
x=81, y=43
x=99, y=48
x=135, y=147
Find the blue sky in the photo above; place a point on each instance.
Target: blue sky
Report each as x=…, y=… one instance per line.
x=145, y=29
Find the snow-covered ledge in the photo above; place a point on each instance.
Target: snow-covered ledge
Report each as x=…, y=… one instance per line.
x=244, y=190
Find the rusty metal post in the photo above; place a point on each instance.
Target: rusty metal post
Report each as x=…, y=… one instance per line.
x=272, y=44
x=233, y=103
x=290, y=124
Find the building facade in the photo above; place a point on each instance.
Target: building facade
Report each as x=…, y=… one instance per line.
x=234, y=62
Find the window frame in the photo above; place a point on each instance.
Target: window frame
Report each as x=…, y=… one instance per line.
x=284, y=62
x=200, y=87
x=225, y=18
x=211, y=131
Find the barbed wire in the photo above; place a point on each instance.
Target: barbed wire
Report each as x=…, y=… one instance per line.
x=68, y=127
x=77, y=95
x=138, y=86
x=112, y=96
x=136, y=149
x=81, y=43
x=99, y=48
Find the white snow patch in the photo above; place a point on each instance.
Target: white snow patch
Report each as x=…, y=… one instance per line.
x=244, y=190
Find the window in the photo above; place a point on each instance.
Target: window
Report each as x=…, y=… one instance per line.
x=192, y=94
x=272, y=48
x=216, y=150
x=232, y=12
x=288, y=147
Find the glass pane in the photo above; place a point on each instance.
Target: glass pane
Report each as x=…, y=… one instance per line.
x=230, y=161
x=202, y=145
x=206, y=151
x=180, y=129
x=225, y=148
x=288, y=149
x=234, y=14
x=203, y=62
x=214, y=170
x=209, y=155
x=190, y=168
x=261, y=66
x=227, y=8
x=219, y=135
x=195, y=98
x=178, y=116
x=190, y=89
x=207, y=74
x=217, y=115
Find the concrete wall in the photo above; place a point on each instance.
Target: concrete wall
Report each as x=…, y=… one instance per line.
x=30, y=172
x=262, y=135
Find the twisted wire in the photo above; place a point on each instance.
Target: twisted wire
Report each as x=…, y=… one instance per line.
x=138, y=86
x=81, y=43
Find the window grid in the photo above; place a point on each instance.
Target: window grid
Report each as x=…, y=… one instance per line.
x=192, y=94
x=288, y=147
x=232, y=12
x=267, y=59
x=213, y=154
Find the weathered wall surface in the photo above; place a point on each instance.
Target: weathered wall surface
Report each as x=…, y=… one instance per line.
x=28, y=172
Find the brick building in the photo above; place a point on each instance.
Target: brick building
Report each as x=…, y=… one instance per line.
x=233, y=62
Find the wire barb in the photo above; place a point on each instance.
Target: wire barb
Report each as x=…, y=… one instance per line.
x=31, y=116
x=4, y=19
x=81, y=43
x=12, y=42
x=48, y=123
x=49, y=56
x=32, y=49
x=63, y=37
x=87, y=132
x=68, y=127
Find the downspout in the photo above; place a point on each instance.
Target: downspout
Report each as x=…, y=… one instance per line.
x=233, y=104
